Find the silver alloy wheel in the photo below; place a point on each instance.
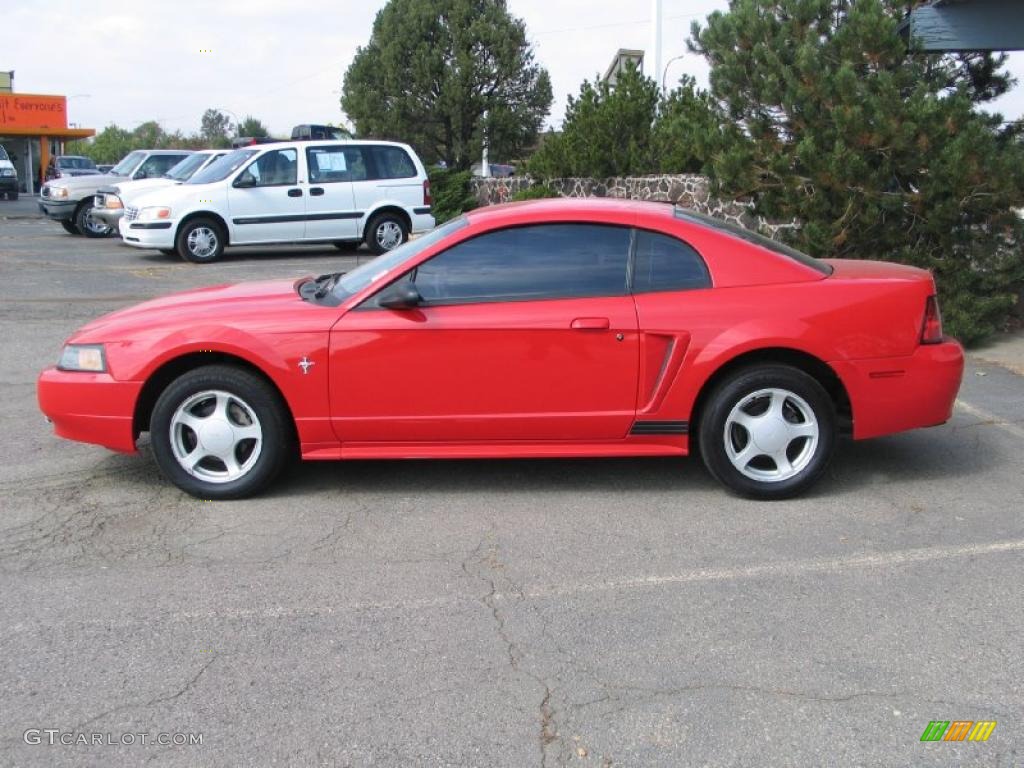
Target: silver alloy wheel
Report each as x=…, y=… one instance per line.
x=94, y=225
x=771, y=435
x=389, y=235
x=202, y=242
x=215, y=436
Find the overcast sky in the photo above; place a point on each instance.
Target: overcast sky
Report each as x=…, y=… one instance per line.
x=127, y=62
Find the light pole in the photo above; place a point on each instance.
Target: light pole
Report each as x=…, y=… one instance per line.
x=668, y=63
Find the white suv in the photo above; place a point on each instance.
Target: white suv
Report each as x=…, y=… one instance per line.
x=341, y=192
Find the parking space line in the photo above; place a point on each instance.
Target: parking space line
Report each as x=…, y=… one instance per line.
x=832, y=565
x=990, y=418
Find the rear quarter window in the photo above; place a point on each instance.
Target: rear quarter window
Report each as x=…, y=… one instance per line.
x=392, y=163
x=664, y=263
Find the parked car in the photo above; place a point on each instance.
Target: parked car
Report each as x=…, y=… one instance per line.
x=67, y=166
x=8, y=176
x=318, y=132
x=110, y=201
x=70, y=200
x=341, y=192
x=104, y=167
x=542, y=329
x=496, y=170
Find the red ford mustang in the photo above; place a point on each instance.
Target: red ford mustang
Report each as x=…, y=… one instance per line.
x=554, y=328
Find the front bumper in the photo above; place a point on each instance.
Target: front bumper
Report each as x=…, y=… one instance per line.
x=63, y=210
x=147, y=234
x=109, y=216
x=8, y=183
x=894, y=394
x=89, y=407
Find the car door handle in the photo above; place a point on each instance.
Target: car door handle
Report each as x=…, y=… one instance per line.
x=294, y=193
x=316, y=191
x=591, y=324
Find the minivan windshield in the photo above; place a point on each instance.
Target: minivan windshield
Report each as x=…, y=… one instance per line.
x=128, y=165
x=220, y=169
x=186, y=167
x=360, y=277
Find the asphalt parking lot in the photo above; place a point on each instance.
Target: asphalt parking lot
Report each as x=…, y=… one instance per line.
x=592, y=613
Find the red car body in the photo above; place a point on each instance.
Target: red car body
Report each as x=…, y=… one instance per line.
x=563, y=377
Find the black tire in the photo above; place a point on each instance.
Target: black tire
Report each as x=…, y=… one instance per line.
x=87, y=225
x=381, y=227
x=253, y=397
x=803, y=404
x=12, y=195
x=69, y=227
x=347, y=246
x=168, y=251
x=202, y=249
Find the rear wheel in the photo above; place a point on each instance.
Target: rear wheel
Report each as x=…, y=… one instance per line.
x=200, y=241
x=69, y=227
x=768, y=432
x=220, y=432
x=88, y=224
x=386, y=231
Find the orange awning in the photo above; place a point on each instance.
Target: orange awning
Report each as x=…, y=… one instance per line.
x=53, y=133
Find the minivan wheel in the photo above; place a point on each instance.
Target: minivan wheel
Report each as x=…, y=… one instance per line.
x=200, y=241
x=88, y=224
x=220, y=432
x=385, y=232
x=768, y=432
x=69, y=227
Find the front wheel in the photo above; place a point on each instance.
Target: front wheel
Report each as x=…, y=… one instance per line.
x=12, y=195
x=88, y=224
x=200, y=241
x=768, y=432
x=385, y=232
x=220, y=432
x=69, y=227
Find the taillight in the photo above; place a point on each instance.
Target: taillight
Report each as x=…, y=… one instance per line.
x=931, y=332
x=427, y=199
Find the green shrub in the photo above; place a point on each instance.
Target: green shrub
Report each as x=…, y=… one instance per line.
x=452, y=193
x=536, y=192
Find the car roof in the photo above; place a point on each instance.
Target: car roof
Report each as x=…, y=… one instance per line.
x=570, y=206
x=327, y=142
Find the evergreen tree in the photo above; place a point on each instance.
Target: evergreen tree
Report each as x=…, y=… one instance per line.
x=824, y=116
x=443, y=75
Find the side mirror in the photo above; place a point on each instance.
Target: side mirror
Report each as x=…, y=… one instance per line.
x=244, y=181
x=401, y=295
x=140, y=175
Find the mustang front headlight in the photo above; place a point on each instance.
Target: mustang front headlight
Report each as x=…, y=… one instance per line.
x=83, y=357
x=154, y=213
x=58, y=192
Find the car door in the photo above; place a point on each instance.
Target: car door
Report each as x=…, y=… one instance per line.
x=265, y=200
x=330, y=211
x=524, y=333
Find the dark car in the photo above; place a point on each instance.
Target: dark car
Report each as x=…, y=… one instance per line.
x=319, y=132
x=62, y=166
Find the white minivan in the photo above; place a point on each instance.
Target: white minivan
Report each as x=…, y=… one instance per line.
x=340, y=192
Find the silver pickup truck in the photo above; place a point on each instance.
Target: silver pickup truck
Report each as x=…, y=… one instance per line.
x=70, y=201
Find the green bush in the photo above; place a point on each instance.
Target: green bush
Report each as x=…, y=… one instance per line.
x=536, y=192
x=452, y=193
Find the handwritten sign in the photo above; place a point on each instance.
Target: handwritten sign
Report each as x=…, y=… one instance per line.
x=26, y=111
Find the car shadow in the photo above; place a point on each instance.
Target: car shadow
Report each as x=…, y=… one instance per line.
x=267, y=253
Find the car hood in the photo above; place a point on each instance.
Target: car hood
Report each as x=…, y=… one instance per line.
x=266, y=306
x=92, y=181
x=170, y=195
x=136, y=187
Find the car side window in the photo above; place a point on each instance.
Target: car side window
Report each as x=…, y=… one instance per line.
x=157, y=165
x=272, y=169
x=544, y=261
x=663, y=263
x=393, y=163
x=327, y=165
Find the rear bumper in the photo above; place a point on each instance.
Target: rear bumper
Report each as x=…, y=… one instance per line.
x=89, y=407
x=422, y=220
x=894, y=394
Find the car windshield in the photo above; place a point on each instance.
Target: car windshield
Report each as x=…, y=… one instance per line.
x=78, y=163
x=3, y=153
x=186, y=167
x=754, y=237
x=219, y=170
x=360, y=277
x=128, y=165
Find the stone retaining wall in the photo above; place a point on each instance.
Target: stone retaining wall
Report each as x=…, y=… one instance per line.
x=686, y=190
